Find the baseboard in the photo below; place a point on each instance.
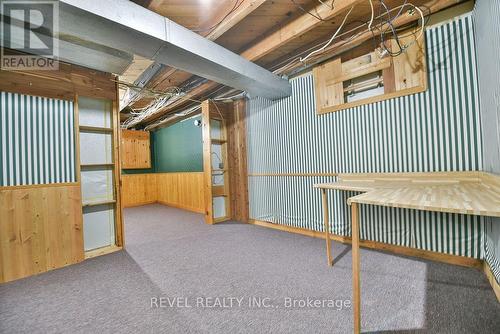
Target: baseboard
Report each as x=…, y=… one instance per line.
x=494, y=284
x=138, y=204
x=183, y=207
x=102, y=251
x=400, y=250
x=178, y=206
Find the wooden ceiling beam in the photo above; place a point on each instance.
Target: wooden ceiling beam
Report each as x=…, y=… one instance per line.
x=243, y=10
x=340, y=47
x=297, y=27
x=285, y=34
x=295, y=30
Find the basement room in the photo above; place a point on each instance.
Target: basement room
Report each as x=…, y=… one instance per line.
x=250, y=166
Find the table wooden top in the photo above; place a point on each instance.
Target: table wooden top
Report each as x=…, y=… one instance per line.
x=474, y=193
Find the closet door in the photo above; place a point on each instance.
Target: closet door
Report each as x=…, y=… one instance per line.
x=97, y=171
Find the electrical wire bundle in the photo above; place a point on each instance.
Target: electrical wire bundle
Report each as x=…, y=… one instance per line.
x=381, y=27
x=161, y=100
x=391, y=30
x=152, y=108
x=193, y=109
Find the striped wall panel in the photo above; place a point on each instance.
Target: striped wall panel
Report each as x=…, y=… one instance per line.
x=486, y=14
x=37, y=141
x=438, y=130
x=492, y=247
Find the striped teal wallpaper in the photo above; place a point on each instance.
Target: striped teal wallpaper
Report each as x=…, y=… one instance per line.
x=438, y=130
x=37, y=142
x=486, y=14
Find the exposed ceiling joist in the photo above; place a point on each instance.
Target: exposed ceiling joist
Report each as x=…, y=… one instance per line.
x=285, y=34
x=243, y=10
x=334, y=49
x=296, y=28
x=341, y=46
x=129, y=28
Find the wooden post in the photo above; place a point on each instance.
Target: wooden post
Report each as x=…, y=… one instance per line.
x=207, y=162
x=327, y=229
x=117, y=160
x=356, y=293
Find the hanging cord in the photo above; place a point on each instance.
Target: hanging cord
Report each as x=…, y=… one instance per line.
x=331, y=6
x=237, y=5
x=218, y=110
x=331, y=39
x=289, y=62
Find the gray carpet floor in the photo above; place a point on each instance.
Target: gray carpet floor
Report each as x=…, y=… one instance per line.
x=173, y=254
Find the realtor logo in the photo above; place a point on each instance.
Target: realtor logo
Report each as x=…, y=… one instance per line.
x=28, y=35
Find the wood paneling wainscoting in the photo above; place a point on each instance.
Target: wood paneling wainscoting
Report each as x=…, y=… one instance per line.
x=138, y=189
x=135, y=149
x=41, y=229
x=180, y=190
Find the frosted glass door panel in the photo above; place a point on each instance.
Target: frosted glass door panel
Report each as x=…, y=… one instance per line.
x=97, y=172
x=215, y=129
x=219, y=207
x=95, y=148
x=94, y=112
x=98, y=227
x=97, y=185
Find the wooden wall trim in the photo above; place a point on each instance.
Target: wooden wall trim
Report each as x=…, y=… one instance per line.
x=183, y=207
x=169, y=173
x=136, y=204
x=117, y=162
x=207, y=163
x=491, y=278
x=292, y=174
x=63, y=84
x=47, y=185
x=238, y=171
x=400, y=250
x=371, y=100
x=102, y=251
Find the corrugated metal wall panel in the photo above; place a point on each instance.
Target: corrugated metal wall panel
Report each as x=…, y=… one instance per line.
x=438, y=130
x=486, y=23
x=37, y=144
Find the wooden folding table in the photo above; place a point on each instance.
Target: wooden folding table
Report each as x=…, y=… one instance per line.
x=472, y=193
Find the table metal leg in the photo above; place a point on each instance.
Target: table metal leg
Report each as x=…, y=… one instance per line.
x=327, y=229
x=356, y=293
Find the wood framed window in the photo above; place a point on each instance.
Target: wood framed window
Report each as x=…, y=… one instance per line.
x=370, y=78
